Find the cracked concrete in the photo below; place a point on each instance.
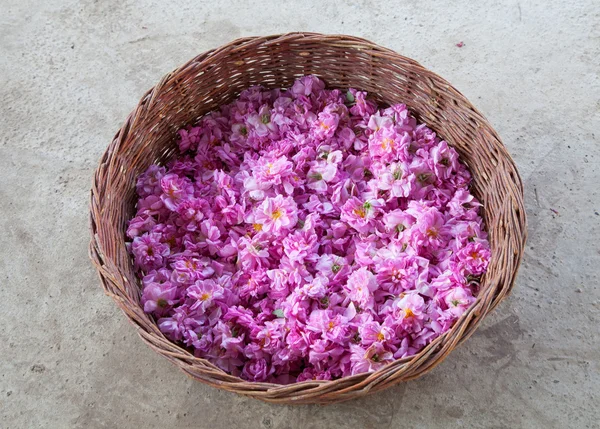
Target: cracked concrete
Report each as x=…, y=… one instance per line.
x=72, y=70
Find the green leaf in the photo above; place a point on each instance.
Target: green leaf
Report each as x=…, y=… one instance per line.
x=349, y=97
x=278, y=312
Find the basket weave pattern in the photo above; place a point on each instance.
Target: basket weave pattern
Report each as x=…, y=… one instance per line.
x=217, y=77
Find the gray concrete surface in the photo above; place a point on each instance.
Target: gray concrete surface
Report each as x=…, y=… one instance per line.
x=70, y=71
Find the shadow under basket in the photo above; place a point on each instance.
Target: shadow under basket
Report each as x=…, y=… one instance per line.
x=217, y=77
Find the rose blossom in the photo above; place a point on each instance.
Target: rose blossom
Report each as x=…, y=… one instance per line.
x=275, y=214
x=360, y=286
x=149, y=252
x=175, y=190
x=205, y=292
x=360, y=215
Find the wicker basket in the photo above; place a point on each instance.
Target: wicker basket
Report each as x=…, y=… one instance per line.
x=216, y=77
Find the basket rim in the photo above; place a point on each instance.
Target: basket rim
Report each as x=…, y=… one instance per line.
x=309, y=389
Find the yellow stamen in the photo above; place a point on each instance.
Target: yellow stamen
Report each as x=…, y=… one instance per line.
x=331, y=325
x=408, y=313
x=432, y=233
x=276, y=214
x=257, y=227
x=360, y=212
x=380, y=337
x=204, y=296
x=387, y=144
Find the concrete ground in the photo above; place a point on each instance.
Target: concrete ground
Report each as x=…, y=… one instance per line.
x=70, y=72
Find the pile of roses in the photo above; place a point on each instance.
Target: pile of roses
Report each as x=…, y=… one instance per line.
x=307, y=234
